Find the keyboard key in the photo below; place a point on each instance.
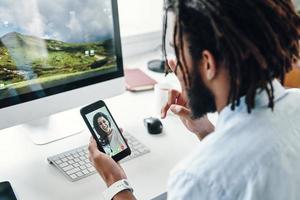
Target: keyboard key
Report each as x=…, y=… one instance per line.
x=88, y=165
x=64, y=159
x=134, y=143
x=70, y=157
x=67, y=154
x=58, y=162
x=76, y=165
x=73, y=176
x=79, y=174
x=82, y=158
x=67, y=168
x=81, y=163
x=82, y=167
x=138, y=146
x=63, y=165
x=145, y=151
x=71, y=162
x=73, y=171
x=55, y=158
x=91, y=169
x=137, y=151
x=85, y=171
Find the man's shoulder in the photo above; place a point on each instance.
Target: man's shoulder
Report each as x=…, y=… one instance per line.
x=294, y=93
x=289, y=101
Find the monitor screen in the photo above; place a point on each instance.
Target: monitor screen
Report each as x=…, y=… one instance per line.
x=49, y=47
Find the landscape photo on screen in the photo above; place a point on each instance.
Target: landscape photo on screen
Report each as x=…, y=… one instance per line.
x=44, y=44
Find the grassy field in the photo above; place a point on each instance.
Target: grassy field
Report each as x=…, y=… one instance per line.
x=26, y=60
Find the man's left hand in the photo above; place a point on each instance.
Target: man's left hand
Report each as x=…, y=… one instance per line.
x=109, y=170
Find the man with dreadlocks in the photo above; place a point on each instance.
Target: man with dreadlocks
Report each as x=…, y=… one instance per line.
x=231, y=58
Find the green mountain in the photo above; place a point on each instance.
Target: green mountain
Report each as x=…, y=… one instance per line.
x=25, y=57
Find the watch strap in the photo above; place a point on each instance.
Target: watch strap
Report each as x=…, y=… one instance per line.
x=115, y=188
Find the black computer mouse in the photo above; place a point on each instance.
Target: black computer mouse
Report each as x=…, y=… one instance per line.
x=153, y=125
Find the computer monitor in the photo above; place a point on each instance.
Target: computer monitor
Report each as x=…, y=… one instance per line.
x=56, y=55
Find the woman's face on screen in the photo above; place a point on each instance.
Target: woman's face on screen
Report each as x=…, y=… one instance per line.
x=104, y=124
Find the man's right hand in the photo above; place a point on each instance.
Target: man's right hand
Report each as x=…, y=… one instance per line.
x=177, y=103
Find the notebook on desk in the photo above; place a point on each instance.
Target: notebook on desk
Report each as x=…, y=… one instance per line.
x=137, y=80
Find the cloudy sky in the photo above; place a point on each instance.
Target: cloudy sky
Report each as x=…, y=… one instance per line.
x=65, y=20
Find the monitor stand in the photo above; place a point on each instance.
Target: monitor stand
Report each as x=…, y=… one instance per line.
x=54, y=127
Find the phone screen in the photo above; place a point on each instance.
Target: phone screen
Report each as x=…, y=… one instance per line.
x=106, y=131
x=6, y=191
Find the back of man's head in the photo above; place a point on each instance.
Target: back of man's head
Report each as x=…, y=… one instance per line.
x=256, y=40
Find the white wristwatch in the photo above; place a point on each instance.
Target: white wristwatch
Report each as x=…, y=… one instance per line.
x=115, y=188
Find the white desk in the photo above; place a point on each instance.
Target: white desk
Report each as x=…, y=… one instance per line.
x=24, y=164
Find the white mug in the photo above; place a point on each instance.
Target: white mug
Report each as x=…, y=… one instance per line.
x=161, y=92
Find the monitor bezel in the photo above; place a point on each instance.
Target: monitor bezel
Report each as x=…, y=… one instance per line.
x=39, y=94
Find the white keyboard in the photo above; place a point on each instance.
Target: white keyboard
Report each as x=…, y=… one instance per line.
x=75, y=165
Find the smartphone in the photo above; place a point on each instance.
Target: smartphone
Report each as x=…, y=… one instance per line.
x=6, y=191
x=105, y=131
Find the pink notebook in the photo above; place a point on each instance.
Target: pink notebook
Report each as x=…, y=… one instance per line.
x=137, y=80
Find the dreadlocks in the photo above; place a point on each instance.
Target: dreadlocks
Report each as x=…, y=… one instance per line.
x=256, y=40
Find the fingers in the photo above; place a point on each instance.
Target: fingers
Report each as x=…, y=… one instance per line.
x=181, y=111
x=180, y=75
x=172, y=99
x=94, y=154
x=172, y=64
x=93, y=148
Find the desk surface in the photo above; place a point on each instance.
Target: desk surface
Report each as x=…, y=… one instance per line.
x=32, y=177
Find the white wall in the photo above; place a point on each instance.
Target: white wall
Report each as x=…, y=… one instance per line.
x=297, y=4
x=140, y=16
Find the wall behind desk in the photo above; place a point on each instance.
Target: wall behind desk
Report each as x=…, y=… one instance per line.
x=140, y=16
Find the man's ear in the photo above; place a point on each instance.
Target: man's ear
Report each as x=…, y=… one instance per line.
x=209, y=65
